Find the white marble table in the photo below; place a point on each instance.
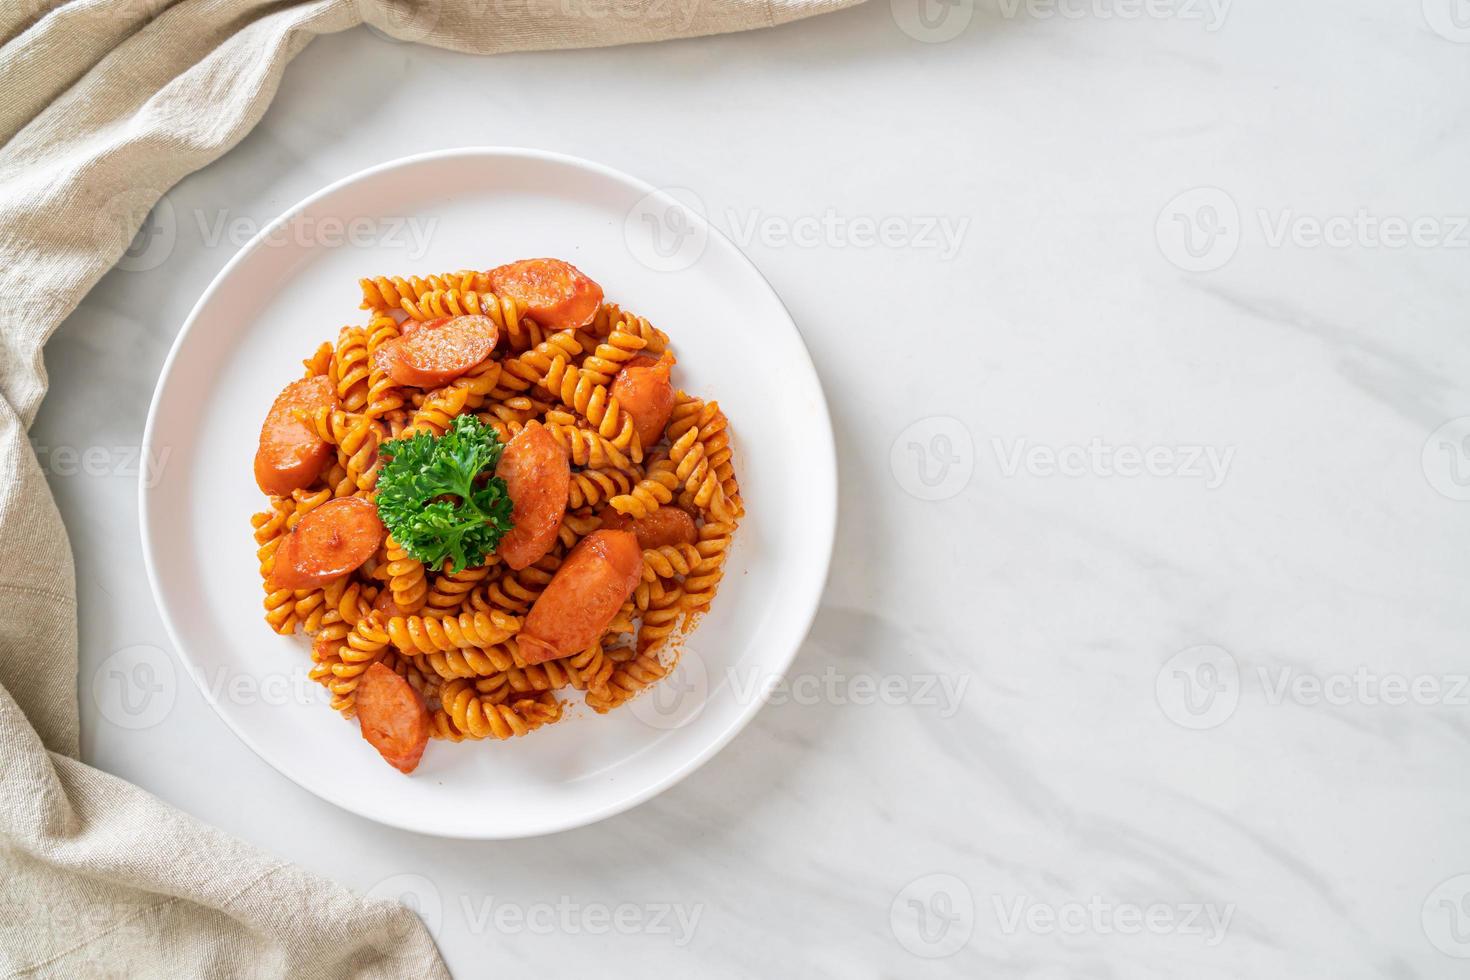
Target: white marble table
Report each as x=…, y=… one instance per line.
x=1139, y=324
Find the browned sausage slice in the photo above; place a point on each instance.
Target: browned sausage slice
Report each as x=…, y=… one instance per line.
x=583, y=596
x=554, y=293
x=393, y=716
x=291, y=455
x=538, y=478
x=643, y=388
x=428, y=358
x=666, y=526
x=410, y=327
x=330, y=541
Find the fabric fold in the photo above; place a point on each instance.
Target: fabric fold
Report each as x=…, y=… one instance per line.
x=104, y=106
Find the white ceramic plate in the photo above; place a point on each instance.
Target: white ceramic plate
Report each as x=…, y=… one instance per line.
x=294, y=286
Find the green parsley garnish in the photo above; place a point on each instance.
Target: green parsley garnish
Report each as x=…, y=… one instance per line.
x=435, y=499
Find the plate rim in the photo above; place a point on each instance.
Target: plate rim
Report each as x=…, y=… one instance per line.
x=826, y=449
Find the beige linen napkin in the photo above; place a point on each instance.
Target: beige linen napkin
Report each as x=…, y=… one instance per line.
x=104, y=105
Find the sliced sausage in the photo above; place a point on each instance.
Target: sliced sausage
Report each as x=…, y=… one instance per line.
x=666, y=526
x=554, y=293
x=410, y=326
x=583, y=596
x=291, y=454
x=330, y=541
x=393, y=716
x=538, y=477
x=643, y=389
x=428, y=358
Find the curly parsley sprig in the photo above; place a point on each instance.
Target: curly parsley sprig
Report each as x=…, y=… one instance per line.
x=434, y=497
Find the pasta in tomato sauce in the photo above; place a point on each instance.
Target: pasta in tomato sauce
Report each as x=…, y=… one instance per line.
x=612, y=502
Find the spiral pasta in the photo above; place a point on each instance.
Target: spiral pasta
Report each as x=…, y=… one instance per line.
x=593, y=402
x=431, y=634
x=627, y=680
x=452, y=635
x=357, y=438
x=349, y=368
x=657, y=488
x=611, y=317
x=465, y=713
x=320, y=362
x=669, y=560
x=384, y=395
x=469, y=661
x=608, y=358
x=591, y=487
x=464, y=394
x=514, y=592
x=452, y=588
x=406, y=578
x=584, y=446
x=383, y=293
